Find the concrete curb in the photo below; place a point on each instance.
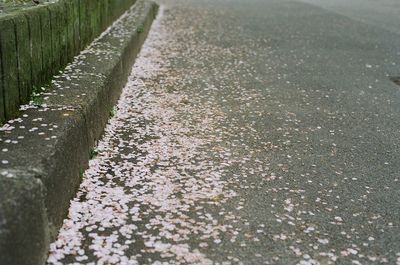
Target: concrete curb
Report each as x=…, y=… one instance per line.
x=44, y=152
x=37, y=41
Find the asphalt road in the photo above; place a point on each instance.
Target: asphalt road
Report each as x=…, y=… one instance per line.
x=383, y=13
x=250, y=132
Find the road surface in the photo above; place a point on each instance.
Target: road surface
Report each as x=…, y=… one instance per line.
x=383, y=13
x=250, y=132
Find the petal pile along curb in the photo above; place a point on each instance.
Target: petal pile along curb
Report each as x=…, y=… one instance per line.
x=44, y=152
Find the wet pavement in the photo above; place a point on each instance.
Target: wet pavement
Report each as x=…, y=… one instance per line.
x=250, y=132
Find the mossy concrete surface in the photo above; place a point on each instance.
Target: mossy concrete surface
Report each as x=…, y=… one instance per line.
x=9, y=59
x=48, y=147
x=23, y=231
x=38, y=41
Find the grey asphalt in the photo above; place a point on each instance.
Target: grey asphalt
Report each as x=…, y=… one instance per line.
x=250, y=132
x=384, y=13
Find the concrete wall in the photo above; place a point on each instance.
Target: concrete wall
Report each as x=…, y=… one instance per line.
x=38, y=42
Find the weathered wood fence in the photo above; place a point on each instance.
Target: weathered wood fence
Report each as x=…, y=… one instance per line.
x=36, y=43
